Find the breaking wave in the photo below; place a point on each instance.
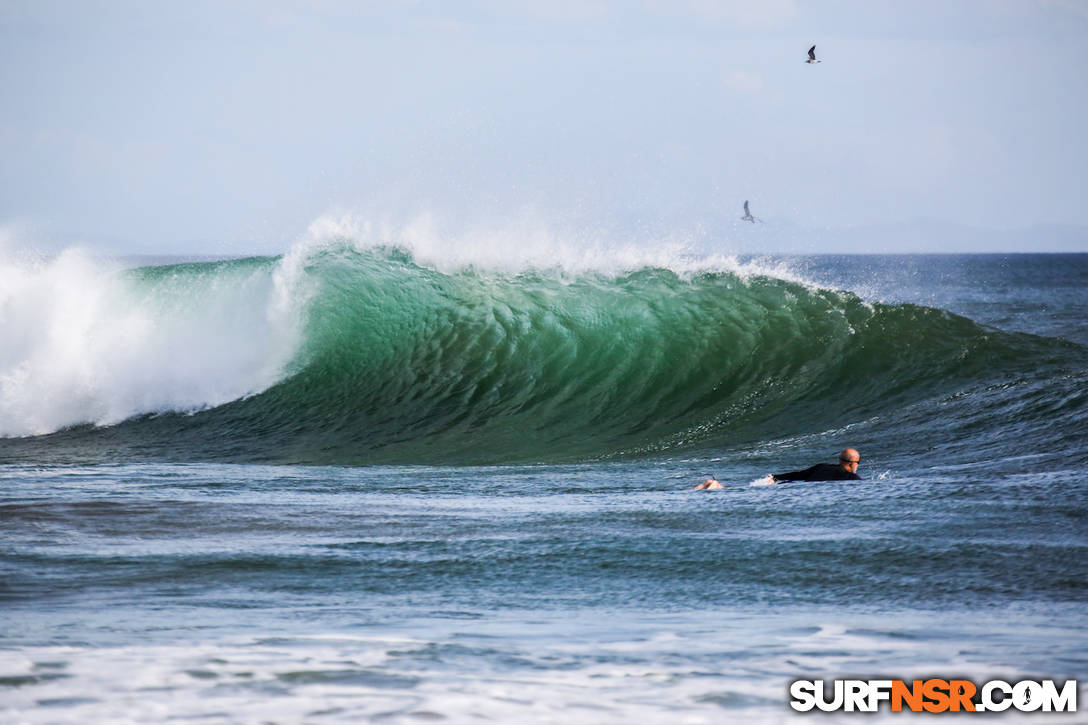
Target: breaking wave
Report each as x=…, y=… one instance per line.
x=351, y=351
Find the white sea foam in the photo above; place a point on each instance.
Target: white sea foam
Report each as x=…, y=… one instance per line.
x=82, y=341
x=352, y=679
x=711, y=668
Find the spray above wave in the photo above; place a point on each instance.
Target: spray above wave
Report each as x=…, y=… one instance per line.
x=346, y=351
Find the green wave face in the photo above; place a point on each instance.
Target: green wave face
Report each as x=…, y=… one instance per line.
x=406, y=364
x=395, y=362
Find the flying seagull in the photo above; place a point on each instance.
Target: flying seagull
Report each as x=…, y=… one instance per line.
x=748, y=214
x=812, y=55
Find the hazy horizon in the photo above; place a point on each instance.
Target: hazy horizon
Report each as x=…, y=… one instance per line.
x=211, y=128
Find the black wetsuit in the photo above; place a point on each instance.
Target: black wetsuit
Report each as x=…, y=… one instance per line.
x=819, y=472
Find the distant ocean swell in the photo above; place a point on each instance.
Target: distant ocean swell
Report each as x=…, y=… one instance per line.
x=348, y=355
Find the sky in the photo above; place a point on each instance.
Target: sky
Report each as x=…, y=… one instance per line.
x=229, y=127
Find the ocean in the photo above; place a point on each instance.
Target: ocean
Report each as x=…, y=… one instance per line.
x=360, y=483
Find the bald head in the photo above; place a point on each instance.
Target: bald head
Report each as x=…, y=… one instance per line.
x=849, y=459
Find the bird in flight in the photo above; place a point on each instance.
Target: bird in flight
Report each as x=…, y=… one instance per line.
x=748, y=214
x=812, y=55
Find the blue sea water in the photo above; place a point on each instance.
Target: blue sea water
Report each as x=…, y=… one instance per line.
x=356, y=485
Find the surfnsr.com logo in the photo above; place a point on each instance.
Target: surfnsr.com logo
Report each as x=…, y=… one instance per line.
x=934, y=696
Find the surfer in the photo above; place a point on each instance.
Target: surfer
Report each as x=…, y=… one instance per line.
x=709, y=483
x=847, y=470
